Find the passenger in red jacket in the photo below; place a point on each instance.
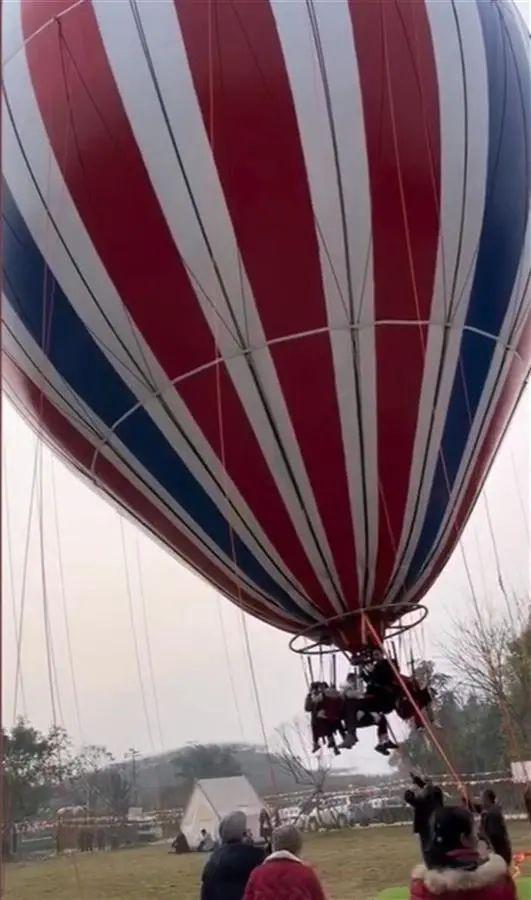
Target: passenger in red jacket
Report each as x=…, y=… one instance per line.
x=284, y=876
x=455, y=871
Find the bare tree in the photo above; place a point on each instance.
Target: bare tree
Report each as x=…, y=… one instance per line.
x=485, y=650
x=492, y=655
x=308, y=770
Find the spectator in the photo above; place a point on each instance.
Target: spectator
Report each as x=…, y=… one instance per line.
x=527, y=801
x=425, y=801
x=283, y=875
x=454, y=868
x=493, y=829
x=266, y=828
x=101, y=839
x=89, y=840
x=227, y=872
x=180, y=844
x=59, y=838
x=206, y=844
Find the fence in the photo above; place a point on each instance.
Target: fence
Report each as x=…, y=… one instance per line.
x=384, y=803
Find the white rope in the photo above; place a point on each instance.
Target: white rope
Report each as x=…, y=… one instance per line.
x=50, y=656
x=14, y=610
x=148, y=647
x=129, y=594
x=24, y=582
x=66, y=617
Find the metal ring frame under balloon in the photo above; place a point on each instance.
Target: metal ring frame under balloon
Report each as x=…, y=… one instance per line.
x=319, y=647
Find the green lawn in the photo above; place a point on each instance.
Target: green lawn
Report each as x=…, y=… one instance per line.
x=402, y=893
x=524, y=888
x=352, y=864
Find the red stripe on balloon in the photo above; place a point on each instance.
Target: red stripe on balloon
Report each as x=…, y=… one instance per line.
x=241, y=81
x=107, y=179
x=80, y=452
x=400, y=102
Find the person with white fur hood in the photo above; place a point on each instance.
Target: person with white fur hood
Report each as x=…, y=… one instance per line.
x=454, y=869
x=283, y=875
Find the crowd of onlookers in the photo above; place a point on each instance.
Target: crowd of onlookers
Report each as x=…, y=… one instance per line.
x=460, y=860
x=239, y=870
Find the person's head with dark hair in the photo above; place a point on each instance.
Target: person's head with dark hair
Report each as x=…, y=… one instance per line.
x=453, y=834
x=488, y=798
x=203, y=832
x=453, y=867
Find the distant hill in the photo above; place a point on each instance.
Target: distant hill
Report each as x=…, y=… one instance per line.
x=159, y=786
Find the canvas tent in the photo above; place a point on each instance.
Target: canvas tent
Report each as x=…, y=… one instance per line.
x=214, y=798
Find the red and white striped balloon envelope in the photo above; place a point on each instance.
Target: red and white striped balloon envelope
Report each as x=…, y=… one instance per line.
x=266, y=276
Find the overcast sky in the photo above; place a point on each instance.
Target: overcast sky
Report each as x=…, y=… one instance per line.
x=191, y=674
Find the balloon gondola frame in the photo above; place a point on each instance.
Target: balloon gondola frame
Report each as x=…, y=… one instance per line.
x=327, y=637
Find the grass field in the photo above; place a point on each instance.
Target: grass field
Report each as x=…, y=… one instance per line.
x=352, y=864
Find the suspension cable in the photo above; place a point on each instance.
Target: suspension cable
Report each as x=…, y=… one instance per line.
x=148, y=645
x=24, y=582
x=221, y=432
x=129, y=594
x=11, y=568
x=228, y=665
x=50, y=656
x=496, y=555
x=258, y=701
x=66, y=616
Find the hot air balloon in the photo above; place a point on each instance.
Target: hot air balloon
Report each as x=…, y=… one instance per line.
x=266, y=277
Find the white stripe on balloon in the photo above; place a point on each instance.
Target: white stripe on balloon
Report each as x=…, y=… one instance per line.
x=463, y=179
x=334, y=31
x=134, y=82
x=46, y=171
x=39, y=370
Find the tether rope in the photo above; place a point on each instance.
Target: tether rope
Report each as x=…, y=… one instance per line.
x=419, y=712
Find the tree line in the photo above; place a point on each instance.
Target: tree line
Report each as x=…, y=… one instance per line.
x=484, y=708
x=40, y=767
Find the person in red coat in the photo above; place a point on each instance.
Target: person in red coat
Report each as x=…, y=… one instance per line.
x=284, y=876
x=455, y=870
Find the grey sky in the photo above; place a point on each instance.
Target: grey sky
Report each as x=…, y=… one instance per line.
x=190, y=665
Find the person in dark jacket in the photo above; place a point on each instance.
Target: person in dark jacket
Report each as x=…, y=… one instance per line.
x=493, y=829
x=425, y=802
x=314, y=704
x=180, y=844
x=227, y=872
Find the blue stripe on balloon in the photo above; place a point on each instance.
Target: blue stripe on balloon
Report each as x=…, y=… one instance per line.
x=75, y=355
x=499, y=253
